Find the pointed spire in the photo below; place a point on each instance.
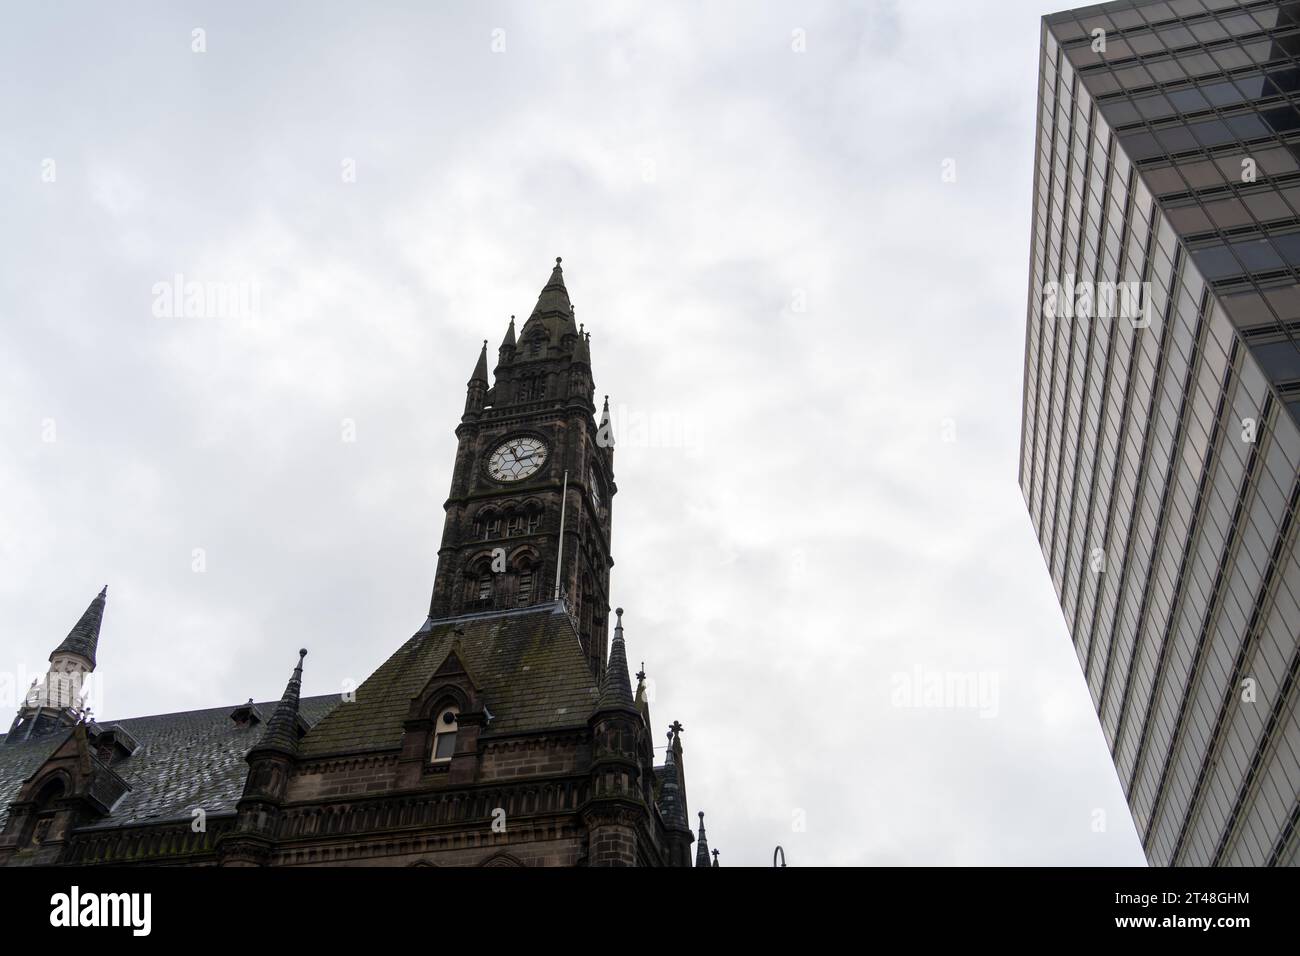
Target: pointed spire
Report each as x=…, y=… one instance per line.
x=509, y=341
x=570, y=325
x=554, y=297
x=605, y=433
x=715, y=857
x=640, y=684
x=480, y=368
x=670, y=800
x=702, y=847
x=582, y=352
x=282, y=729
x=615, y=688
x=83, y=639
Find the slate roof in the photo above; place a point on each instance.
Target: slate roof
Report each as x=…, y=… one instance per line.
x=190, y=759
x=18, y=761
x=527, y=664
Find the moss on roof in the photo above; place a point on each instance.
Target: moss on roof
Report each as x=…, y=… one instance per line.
x=528, y=666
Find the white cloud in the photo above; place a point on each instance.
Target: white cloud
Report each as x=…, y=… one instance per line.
x=699, y=178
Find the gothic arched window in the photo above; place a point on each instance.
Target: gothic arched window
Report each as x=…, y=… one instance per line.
x=484, y=592
x=444, y=734
x=525, y=591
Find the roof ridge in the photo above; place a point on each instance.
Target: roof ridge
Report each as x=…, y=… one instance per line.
x=104, y=722
x=430, y=622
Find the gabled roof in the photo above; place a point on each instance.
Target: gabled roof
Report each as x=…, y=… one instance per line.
x=527, y=664
x=189, y=759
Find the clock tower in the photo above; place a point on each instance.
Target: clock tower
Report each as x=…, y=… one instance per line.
x=529, y=511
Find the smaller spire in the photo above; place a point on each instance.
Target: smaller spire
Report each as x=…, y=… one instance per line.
x=640, y=684
x=670, y=801
x=605, y=433
x=282, y=730
x=480, y=368
x=509, y=341
x=569, y=326
x=702, y=848
x=615, y=689
x=715, y=857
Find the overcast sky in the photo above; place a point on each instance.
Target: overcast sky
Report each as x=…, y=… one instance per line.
x=813, y=344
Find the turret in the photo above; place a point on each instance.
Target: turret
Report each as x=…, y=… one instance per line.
x=506, y=352
x=672, y=806
x=616, y=799
x=57, y=702
x=270, y=765
x=477, y=387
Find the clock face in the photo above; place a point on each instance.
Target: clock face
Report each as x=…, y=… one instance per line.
x=516, y=458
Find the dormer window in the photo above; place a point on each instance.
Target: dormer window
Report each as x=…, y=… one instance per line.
x=444, y=734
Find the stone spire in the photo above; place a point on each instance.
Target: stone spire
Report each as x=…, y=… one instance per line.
x=507, y=348
x=605, y=433
x=282, y=729
x=554, y=299
x=476, y=388
x=83, y=639
x=702, y=846
x=480, y=368
x=615, y=688
x=670, y=800
x=582, y=352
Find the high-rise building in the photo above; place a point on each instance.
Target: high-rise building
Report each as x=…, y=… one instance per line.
x=504, y=732
x=1159, y=445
